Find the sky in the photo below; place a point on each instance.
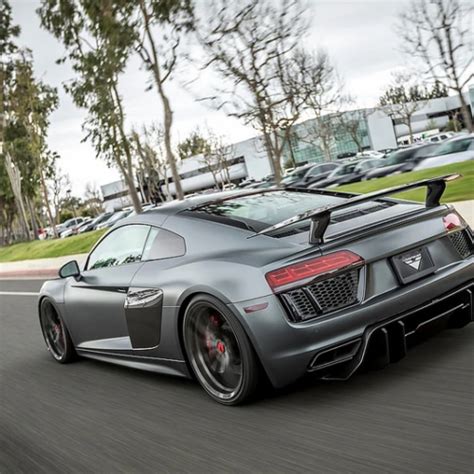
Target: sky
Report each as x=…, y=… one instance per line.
x=358, y=35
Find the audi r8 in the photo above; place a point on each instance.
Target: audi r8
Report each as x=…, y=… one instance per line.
x=244, y=286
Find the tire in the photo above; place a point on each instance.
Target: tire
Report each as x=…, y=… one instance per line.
x=219, y=351
x=55, y=334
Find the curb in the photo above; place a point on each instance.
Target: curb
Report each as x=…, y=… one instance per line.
x=36, y=273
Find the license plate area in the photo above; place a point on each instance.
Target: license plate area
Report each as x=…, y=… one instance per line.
x=413, y=265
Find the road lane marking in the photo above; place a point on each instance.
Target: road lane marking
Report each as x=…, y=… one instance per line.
x=18, y=293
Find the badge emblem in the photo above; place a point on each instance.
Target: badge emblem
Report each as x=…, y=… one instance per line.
x=414, y=261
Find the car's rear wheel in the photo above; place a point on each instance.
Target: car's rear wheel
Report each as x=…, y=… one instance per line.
x=55, y=333
x=219, y=352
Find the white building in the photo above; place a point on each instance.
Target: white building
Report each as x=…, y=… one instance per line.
x=115, y=196
x=377, y=130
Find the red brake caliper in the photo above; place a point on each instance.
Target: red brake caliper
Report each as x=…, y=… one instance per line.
x=210, y=336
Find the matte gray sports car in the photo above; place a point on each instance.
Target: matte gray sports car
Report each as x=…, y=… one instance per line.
x=236, y=287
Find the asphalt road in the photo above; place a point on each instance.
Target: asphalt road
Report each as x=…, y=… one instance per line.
x=414, y=416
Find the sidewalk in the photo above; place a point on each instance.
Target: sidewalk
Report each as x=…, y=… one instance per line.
x=48, y=267
x=40, y=268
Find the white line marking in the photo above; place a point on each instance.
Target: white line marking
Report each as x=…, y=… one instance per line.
x=18, y=293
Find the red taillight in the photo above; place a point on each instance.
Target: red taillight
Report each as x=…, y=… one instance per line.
x=452, y=221
x=311, y=268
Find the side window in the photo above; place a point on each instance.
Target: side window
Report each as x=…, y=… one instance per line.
x=162, y=243
x=124, y=245
x=316, y=170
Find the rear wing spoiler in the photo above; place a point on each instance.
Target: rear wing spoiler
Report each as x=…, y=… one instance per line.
x=321, y=217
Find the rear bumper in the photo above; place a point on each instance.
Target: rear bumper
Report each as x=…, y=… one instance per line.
x=378, y=330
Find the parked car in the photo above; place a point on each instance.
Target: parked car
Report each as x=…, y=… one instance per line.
x=452, y=151
x=440, y=137
x=402, y=160
x=117, y=216
x=74, y=221
x=348, y=173
x=230, y=289
x=296, y=175
x=74, y=230
x=246, y=182
x=369, y=154
x=312, y=173
x=345, y=155
x=91, y=225
x=266, y=182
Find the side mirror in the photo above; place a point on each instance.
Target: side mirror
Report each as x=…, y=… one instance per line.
x=70, y=269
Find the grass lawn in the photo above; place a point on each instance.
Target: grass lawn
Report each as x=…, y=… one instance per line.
x=461, y=189
x=50, y=248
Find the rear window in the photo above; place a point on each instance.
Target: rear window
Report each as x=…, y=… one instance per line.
x=262, y=210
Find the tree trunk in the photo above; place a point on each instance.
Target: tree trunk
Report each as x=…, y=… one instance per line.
x=15, y=181
x=465, y=112
x=410, y=129
x=34, y=225
x=274, y=160
x=127, y=173
x=47, y=203
x=168, y=113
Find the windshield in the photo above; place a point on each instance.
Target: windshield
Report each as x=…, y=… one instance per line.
x=428, y=150
x=119, y=215
x=400, y=156
x=262, y=210
x=454, y=146
x=297, y=173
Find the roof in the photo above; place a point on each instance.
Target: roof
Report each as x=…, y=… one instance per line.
x=197, y=201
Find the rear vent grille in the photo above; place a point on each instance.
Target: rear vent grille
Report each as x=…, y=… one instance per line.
x=461, y=243
x=323, y=296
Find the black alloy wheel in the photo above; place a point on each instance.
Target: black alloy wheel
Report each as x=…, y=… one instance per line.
x=55, y=333
x=219, y=351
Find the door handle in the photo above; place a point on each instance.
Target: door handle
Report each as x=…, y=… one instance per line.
x=143, y=297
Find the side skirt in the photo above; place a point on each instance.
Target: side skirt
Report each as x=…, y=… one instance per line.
x=151, y=364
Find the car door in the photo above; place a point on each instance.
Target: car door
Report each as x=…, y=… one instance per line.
x=145, y=307
x=95, y=302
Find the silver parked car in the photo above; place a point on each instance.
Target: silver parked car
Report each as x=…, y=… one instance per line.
x=455, y=150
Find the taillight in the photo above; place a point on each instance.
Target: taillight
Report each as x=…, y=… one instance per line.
x=311, y=268
x=452, y=221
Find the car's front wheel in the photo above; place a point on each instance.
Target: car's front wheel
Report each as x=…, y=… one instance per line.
x=57, y=338
x=219, y=351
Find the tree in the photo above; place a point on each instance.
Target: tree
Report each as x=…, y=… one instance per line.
x=97, y=37
x=322, y=91
x=152, y=163
x=437, y=91
x=253, y=46
x=32, y=102
x=58, y=183
x=92, y=200
x=438, y=33
x=403, y=98
x=350, y=123
x=215, y=156
x=158, y=32
x=194, y=144
x=7, y=206
x=8, y=50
